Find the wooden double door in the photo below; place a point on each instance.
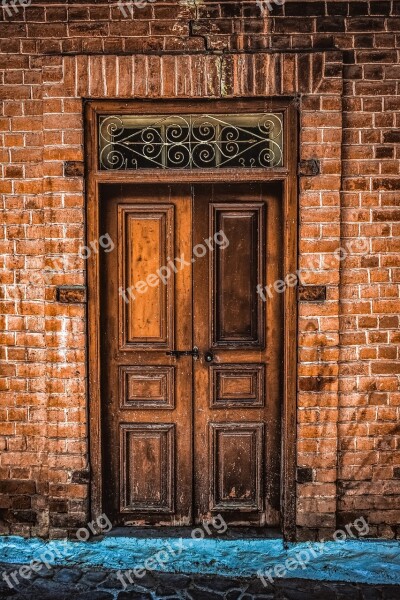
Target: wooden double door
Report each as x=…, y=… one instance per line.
x=191, y=353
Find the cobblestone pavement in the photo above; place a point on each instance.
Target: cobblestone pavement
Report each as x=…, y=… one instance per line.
x=73, y=583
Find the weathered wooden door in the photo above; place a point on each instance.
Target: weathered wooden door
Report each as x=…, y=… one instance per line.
x=237, y=381
x=191, y=354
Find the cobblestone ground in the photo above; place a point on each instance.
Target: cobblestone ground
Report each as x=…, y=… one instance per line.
x=60, y=583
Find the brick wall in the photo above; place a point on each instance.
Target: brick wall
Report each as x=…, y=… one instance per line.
x=339, y=60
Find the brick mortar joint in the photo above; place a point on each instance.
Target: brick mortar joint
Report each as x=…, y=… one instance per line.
x=161, y=53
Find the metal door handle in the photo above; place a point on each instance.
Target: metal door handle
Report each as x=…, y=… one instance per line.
x=179, y=353
x=208, y=356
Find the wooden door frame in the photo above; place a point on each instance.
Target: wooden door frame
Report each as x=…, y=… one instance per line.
x=286, y=174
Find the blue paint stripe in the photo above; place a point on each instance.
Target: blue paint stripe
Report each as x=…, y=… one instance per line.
x=360, y=561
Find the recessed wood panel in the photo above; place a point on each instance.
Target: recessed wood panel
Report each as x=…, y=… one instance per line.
x=238, y=311
x=146, y=282
x=236, y=466
x=147, y=459
x=147, y=387
x=237, y=386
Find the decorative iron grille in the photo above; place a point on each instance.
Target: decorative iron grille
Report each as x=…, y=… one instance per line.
x=190, y=141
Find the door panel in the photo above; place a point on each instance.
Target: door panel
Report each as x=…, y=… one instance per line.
x=236, y=451
x=147, y=459
x=147, y=387
x=147, y=396
x=238, y=391
x=237, y=309
x=146, y=237
x=238, y=385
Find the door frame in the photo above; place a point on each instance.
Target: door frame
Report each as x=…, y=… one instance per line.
x=287, y=174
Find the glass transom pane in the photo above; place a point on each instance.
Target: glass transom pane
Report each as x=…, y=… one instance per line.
x=198, y=141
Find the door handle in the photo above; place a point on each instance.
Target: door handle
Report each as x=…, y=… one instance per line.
x=208, y=356
x=179, y=353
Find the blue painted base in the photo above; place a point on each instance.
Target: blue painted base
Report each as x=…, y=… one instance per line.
x=361, y=561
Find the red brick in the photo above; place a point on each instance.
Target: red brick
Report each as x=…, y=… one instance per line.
x=355, y=198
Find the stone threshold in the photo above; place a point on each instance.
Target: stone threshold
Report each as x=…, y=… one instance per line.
x=358, y=561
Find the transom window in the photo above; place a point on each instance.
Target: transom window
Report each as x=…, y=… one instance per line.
x=196, y=141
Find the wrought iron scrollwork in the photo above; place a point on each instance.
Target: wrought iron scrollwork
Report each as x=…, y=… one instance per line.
x=190, y=141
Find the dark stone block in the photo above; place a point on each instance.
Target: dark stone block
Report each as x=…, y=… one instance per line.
x=71, y=294
x=366, y=24
x=379, y=216
x=6, y=591
x=25, y=516
x=230, y=9
x=82, y=476
x=352, y=72
x=389, y=184
x=383, y=56
x=148, y=581
x=21, y=502
x=333, y=70
x=93, y=577
x=58, y=506
x=349, y=57
x=67, y=576
x=164, y=590
x=392, y=136
x=304, y=73
x=208, y=12
x=347, y=517
x=357, y=9
x=309, y=168
x=280, y=42
x=370, y=261
x=338, y=8
x=373, y=72
x=335, y=24
x=177, y=580
x=363, y=41
x=379, y=8
x=74, y=168
x=277, y=10
x=65, y=520
x=305, y=9
x=5, y=502
x=315, y=384
x=293, y=25
x=304, y=475
x=253, y=26
x=17, y=486
x=324, y=41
